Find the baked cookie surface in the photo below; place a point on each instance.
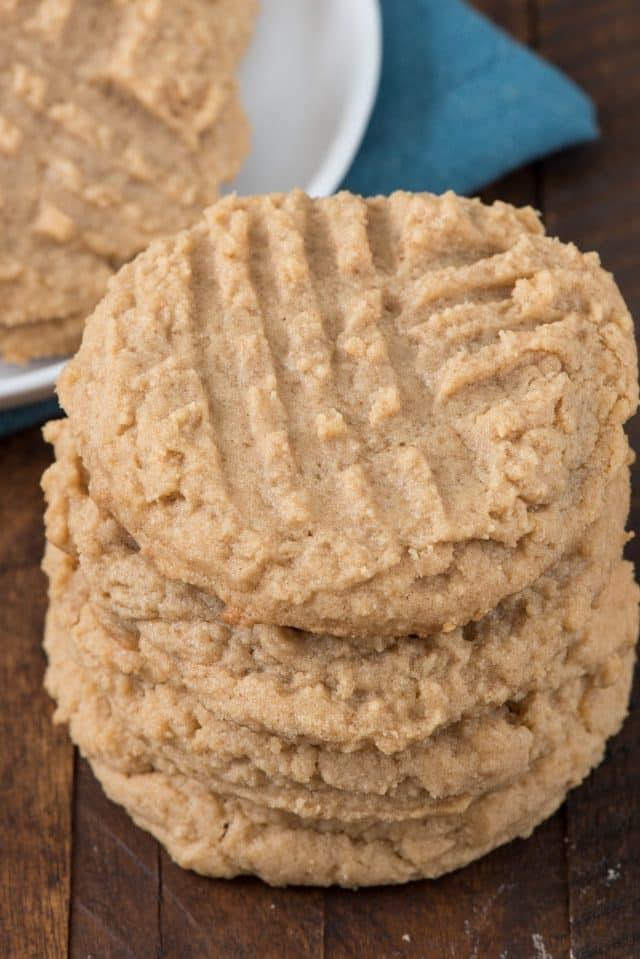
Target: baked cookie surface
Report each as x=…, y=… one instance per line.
x=225, y=825
x=179, y=727
x=389, y=692
x=366, y=418
x=118, y=122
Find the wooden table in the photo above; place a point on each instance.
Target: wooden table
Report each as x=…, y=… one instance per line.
x=78, y=879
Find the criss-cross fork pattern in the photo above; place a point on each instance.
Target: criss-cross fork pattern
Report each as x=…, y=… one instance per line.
x=325, y=395
x=104, y=145
x=573, y=886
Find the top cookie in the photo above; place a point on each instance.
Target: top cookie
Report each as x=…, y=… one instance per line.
x=356, y=416
x=118, y=121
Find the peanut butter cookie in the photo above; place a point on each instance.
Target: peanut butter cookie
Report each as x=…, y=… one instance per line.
x=118, y=122
x=359, y=417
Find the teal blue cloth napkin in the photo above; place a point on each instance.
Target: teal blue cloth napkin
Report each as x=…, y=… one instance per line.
x=460, y=104
x=12, y=421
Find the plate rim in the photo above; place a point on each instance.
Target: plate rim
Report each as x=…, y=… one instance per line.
x=354, y=125
x=39, y=383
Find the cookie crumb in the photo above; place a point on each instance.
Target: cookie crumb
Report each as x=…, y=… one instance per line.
x=539, y=948
x=613, y=874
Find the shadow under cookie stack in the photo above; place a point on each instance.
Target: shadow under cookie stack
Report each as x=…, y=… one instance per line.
x=335, y=532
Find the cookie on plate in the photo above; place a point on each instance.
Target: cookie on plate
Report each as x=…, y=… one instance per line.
x=359, y=417
x=118, y=122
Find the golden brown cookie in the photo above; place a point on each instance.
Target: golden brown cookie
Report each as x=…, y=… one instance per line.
x=118, y=122
x=21, y=343
x=389, y=692
x=172, y=728
x=226, y=834
x=220, y=836
x=358, y=417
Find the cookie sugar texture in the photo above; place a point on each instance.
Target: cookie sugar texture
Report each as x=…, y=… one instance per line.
x=354, y=416
x=118, y=122
x=335, y=534
x=345, y=692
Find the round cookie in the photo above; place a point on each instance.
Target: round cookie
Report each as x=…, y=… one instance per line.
x=118, y=122
x=359, y=417
x=349, y=693
x=169, y=728
x=226, y=835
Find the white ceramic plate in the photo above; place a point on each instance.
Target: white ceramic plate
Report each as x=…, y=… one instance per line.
x=308, y=82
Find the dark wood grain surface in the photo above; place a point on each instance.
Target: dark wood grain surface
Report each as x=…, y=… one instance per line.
x=78, y=879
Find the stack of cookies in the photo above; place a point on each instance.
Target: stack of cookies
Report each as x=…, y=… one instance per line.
x=335, y=532
x=118, y=122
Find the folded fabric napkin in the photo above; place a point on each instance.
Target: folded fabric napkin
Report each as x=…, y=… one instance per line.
x=460, y=104
x=14, y=420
